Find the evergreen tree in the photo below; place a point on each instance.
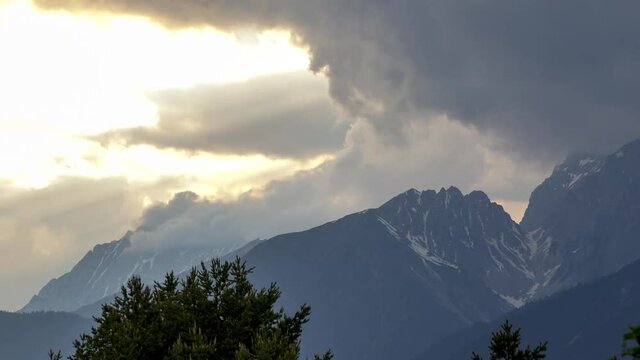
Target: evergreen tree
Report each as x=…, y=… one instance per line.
x=632, y=335
x=213, y=313
x=55, y=355
x=627, y=350
x=505, y=345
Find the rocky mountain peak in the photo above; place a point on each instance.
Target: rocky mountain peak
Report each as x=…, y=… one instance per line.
x=566, y=176
x=583, y=220
x=464, y=233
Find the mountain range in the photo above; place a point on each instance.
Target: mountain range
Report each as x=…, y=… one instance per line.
x=584, y=219
x=31, y=336
x=102, y=271
x=392, y=281
x=584, y=322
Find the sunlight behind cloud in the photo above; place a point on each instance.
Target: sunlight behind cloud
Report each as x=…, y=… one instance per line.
x=47, y=156
x=90, y=74
x=64, y=76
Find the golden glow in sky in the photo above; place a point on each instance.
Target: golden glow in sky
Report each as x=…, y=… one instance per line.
x=65, y=76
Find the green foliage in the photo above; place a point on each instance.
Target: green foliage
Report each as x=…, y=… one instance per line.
x=632, y=335
x=505, y=345
x=627, y=349
x=214, y=313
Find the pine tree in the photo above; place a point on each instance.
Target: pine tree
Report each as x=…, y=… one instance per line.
x=55, y=355
x=505, y=345
x=631, y=336
x=631, y=351
x=213, y=313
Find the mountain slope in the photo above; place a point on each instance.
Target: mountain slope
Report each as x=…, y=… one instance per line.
x=585, y=322
x=548, y=196
x=94, y=309
x=31, y=336
x=384, y=283
x=104, y=269
x=469, y=233
x=584, y=221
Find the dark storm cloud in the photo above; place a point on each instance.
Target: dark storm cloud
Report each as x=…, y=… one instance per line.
x=549, y=76
x=287, y=115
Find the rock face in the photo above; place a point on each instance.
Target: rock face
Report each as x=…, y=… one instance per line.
x=584, y=220
x=468, y=233
x=385, y=282
x=548, y=196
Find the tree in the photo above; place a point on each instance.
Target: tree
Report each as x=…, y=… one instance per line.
x=213, y=313
x=55, y=355
x=627, y=350
x=632, y=335
x=505, y=345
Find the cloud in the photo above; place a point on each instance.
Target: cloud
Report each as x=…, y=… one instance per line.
x=545, y=76
x=191, y=221
x=286, y=115
x=365, y=174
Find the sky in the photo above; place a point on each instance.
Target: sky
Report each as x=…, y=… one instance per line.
x=284, y=114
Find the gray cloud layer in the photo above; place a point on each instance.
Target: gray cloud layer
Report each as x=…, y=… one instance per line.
x=364, y=174
x=286, y=115
x=549, y=76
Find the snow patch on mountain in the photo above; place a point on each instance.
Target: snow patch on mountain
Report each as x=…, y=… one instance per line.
x=392, y=231
x=515, y=302
x=420, y=247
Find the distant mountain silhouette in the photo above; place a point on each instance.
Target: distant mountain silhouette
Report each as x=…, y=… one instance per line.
x=31, y=336
x=103, y=270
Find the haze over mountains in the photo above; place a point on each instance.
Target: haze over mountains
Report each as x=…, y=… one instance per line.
x=388, y=282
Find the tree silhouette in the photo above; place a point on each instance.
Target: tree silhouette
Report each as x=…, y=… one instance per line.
x=505, y=345
x=632, y=351
x=632, y=335
x=213, y=313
